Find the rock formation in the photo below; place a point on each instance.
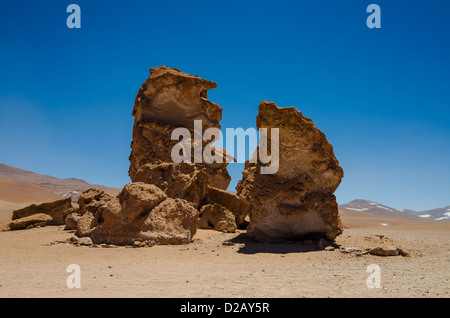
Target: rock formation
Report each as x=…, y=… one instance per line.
x=169, y=199
x=141, y=212
x=232, y=202
x=33, y=220
x=171, y=99
x=183, y=180
x=215, y=216
x=57, y=210
x=297, y=201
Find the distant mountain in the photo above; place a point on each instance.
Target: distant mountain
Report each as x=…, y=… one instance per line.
x=440, y=214
x=63, y=188
x=20, y=192
x=377, y=209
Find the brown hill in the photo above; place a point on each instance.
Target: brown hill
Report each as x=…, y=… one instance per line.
x=23, y=193
x=69, y=187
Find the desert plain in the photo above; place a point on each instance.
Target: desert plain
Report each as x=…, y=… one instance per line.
x=33, y=263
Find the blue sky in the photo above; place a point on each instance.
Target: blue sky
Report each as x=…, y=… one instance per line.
x=381, y=96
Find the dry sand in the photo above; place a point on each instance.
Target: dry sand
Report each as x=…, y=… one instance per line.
x=31, y=266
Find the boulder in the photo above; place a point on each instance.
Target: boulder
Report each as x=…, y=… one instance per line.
x=183, y=180
x=231, y=201
x=25, y=222
x=84, y=218
x=141, y=212
x=174, y=221
x=91, y=199
x=138, y=199
x=72, y=218
x=215, y=216
x=86, y=223
x=57, y=210
x=385, y=251
x=296, y=201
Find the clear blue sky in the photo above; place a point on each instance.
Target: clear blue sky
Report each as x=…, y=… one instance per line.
x=381, y=96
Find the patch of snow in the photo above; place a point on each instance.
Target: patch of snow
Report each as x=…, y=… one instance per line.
x=70, y=194
x=373, y=203
x=447, y=216
x=364, y=209
x=424, y=216
x=383, y=207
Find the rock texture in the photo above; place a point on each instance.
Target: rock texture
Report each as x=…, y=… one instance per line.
x=141, y=212
x=297, y=201
x=57, y=210
x=33, y=220
x=232, y=202
x=171, y=99
x=215, y=216
x=167, y=100
x=183, y=180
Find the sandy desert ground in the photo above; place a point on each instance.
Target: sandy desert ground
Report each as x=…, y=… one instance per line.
x=33, y=265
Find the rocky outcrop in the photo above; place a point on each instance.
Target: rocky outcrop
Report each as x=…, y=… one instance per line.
x=232, y=202
x=33, y=220
x=215, y=216
x=57, y=210
x=87, y=214
x=183, y=180
x=141, y=212
x=297, y=201
x=171, y=99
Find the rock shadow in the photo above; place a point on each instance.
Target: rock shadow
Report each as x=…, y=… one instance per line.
x=286, y=247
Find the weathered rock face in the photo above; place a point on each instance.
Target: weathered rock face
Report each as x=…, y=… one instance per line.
x=297, y=201
x=183, y=180
x=232, y=202
x=33, y=220
x=171, y=99
x=215, y=216
x=84, y=219
x=57, y=210
x=141, y=212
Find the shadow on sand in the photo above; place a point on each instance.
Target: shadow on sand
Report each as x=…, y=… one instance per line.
x=252, y=247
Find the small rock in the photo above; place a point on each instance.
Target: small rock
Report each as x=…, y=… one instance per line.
x=329, y=248
x=385, y=251
x=81, y=240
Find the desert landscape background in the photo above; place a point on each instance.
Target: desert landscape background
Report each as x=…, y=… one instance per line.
x=356, y=99
x=33, y=262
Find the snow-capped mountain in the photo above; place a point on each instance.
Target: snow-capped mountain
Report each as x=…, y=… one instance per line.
x=377, y=209
x=439, y=214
